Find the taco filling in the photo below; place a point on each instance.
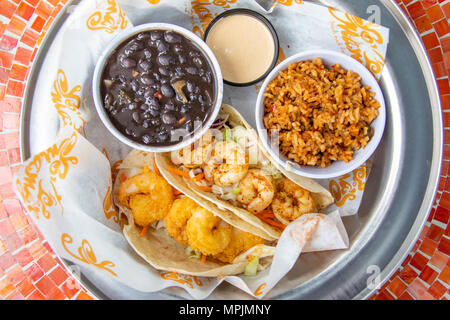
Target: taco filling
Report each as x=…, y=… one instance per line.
x=227, y=163
x=155, y=205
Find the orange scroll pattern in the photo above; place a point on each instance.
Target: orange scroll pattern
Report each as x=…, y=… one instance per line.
x=289, y=2
x=203, y=11
x=348, y=185
x=40, y=194
x=183, y=279
x=353, y=31
x=110, y=21
x=67, y=102
x=86, y=254
x=260, y=289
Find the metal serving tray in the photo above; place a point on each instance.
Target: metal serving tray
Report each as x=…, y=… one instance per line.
x=399, y=193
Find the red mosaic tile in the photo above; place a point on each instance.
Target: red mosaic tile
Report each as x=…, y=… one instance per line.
x=18, y=72
x=24, y=10
x=7, y=261
x=29, y=38
x=8, y=43
x=423, y=24
x=23, y=257
x=38, y=24
x=435, y=232
x=7, y=9
x=445, y=275
x=16, y=26
x=428, y=275
x=408, y=274
x=14, y=156
x=27, y=234
x=435, y=13
x=37, y=250
x=444, y=246
x=46, y=286
x=58, y=275
x=397, y=286
x=437, y=290
x=6, y=59
x=46, y=262
x=441, y=27
x=428, y=246
x=13, y=242
x=415, y=10
x=11, y=121
x=428, y=3
x=439, y=260
x=6, y=287
x=23, y=55
x=406, y=296
x=446, y=9
x=34, y=272
x=70, y=288
x=417, y=288
x=6, y=228
x=442, y=215
x=14, y=88
x=44, y=9
x=36, y=295
x=83, y=296
x=25, y=287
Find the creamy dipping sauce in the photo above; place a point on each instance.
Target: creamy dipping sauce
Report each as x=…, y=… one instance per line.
x=243, y=45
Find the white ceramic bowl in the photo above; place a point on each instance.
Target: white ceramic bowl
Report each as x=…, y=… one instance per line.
x=337, y=168
x=109, y=50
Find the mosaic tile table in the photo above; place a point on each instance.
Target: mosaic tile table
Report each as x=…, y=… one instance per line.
x=29, y=268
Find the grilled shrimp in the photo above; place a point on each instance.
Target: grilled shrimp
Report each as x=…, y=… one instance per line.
x=207, y=233
x=257, y=190
x=240, y=242
x=177, y=218
x=228, y=164
x=196, y=154
x=148, y=196
x=291, y=201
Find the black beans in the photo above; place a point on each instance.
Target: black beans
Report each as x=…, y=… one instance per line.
x=172, y=37
x=155, y=84
x=156, y=35
x=162, y=46
x=192, y=70
x=147, y=80
x=168, y=118
x=128, y=63
x=145, y=65
x=167, y=91
x=165, y=60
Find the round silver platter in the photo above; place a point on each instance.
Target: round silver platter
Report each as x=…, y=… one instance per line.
x=399, y=193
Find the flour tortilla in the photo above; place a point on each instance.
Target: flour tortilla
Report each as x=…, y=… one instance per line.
x=321, y=196
x=163, y=252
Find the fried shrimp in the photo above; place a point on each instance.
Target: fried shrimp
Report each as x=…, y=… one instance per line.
x=228, y=164
x=177, y=218
x=207, y=233
x=257, y=190
x=241, y=241
x=291, y=201
x=196, y=154
x=148, y=196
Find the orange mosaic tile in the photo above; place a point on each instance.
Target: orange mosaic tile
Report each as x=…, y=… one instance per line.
x=28, y=267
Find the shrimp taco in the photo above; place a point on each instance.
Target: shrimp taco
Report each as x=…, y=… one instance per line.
x=177, y=233
x=229, y=167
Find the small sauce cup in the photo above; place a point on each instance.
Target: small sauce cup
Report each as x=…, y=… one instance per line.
x=246, y=45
